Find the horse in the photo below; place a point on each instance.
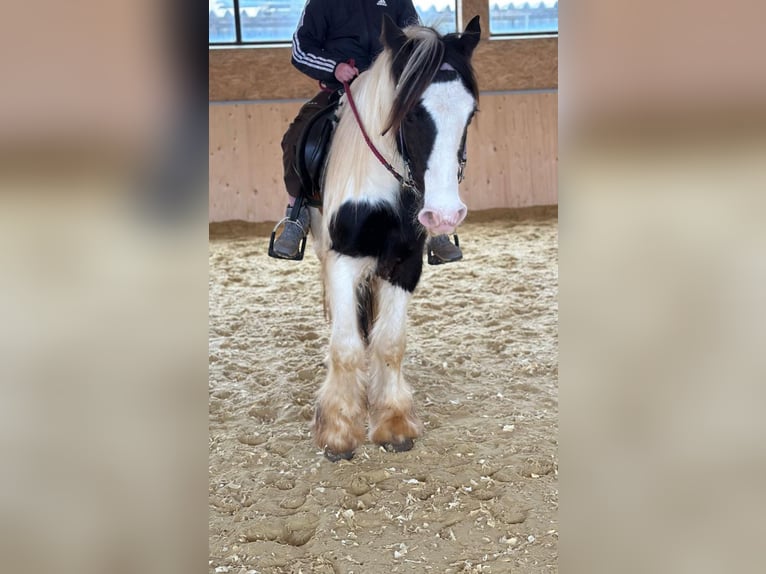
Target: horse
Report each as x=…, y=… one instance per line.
x=415, y=102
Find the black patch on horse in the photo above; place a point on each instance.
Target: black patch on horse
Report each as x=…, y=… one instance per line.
x=404, y=271
x=379, y=230
x=365, y=308
x=362, y=229
x=401, y=263
x=458, y=49
x=418, y=132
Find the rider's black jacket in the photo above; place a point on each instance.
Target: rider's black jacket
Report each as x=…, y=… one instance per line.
x=334, y=31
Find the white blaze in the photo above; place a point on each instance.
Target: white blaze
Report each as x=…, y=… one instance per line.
x=450, y=105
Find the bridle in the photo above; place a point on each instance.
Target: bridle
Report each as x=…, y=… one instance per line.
x=406, y=182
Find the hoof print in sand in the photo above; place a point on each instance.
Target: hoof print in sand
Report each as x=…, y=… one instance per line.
x=296, y=530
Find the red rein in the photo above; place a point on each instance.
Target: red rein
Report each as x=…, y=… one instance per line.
x=402, y=181
x=371, y=145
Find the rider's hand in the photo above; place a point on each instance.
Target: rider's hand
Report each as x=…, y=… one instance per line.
x=345, y=72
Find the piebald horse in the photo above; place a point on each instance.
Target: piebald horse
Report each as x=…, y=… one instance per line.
x=415, y=103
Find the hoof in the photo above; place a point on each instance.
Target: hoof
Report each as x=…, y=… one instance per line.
x=403, y=446
x=336, y=456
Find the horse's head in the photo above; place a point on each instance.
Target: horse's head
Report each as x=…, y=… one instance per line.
x=436, y=96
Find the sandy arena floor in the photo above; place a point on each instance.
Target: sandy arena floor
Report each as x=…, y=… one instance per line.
x=478, y=493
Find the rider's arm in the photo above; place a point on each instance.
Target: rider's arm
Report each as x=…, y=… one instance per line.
x=309, y=54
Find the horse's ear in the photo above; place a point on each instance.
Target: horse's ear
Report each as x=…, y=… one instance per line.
x=469, y=39
x=391, y=35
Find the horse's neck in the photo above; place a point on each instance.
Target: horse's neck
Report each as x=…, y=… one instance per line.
x=353, y=171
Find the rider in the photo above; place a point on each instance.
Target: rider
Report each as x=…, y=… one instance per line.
x=331, y=33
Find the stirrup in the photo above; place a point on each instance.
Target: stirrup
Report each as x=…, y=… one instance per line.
x=294, y=218
x=434, y=260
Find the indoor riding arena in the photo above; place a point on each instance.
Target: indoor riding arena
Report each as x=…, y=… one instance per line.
x=479, y=490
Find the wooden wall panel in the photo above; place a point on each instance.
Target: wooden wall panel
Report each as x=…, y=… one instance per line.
x=255, y=73
x=524, y=64
x=512, y=152
x=512, y=161
x=246, y=160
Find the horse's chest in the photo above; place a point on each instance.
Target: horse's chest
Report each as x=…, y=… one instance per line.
x=395, y=238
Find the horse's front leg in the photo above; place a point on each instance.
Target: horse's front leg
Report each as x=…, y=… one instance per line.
x=393, y=423
x=339, y=422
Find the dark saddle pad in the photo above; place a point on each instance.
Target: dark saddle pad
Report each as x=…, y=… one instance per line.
x=313, y=146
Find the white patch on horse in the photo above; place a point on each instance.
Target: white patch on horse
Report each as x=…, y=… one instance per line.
x=388, y=393
x=450, y=105
x=387, y=340
x=344, y=275
x=342, y=396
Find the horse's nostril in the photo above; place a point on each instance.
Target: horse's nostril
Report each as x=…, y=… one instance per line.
x=428, y=218
x=461, y=213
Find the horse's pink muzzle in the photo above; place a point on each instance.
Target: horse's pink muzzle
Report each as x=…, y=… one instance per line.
x=439, y=222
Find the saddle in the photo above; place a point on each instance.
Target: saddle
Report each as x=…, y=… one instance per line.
x=311, y=152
